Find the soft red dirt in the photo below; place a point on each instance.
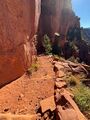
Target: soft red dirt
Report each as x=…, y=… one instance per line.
x=23, y=95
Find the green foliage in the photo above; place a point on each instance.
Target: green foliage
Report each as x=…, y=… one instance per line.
x=82, y=98
x=33, y=68
x=47, y=45
x=81, y=94
x=56, y=57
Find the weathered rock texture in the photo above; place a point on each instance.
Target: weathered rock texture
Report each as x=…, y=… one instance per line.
x=18, y=24
x=56, y=16
x=19, y=21
x=66, y=108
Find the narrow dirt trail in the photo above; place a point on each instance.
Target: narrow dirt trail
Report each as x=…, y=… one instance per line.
x=23, y=95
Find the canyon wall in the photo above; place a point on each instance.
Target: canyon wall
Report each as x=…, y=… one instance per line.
x=18, y=25
x=20, y=20
x=56, y=16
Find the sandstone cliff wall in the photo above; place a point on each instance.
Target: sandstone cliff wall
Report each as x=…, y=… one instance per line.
x=18, y=24
x=19, y=21
x=56, y=16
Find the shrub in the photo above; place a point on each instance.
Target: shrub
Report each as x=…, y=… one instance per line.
x=56, y=57
x=47, y=45
x=33, y=68
x=82, y=98
x=29, y=71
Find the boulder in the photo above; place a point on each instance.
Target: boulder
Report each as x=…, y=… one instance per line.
x=61, y=84
x=65, y=91
x=48, y=104
x=60, y=74
x=59, y=66
x=66, y=114
x=61, y=92
x=67, y=109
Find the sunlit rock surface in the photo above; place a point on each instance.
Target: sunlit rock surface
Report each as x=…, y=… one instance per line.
x=18, y=24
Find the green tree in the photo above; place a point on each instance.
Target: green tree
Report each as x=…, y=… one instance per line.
x=47, y=45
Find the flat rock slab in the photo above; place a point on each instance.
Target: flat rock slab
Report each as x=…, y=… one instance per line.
x=48, y=104
x=60, y=74
x=75, y=107
x=61, y=84
x=59, y=79
x=66, y=114
x=66, y=92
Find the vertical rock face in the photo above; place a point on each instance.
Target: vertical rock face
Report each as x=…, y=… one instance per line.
x=56, y=16
x=18, y=24
x=19, y=20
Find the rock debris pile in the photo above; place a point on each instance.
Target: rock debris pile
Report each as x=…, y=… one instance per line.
x=66, y=108
x=61, y=106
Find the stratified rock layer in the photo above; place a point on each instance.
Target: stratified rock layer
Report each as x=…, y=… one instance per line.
x=18, y=23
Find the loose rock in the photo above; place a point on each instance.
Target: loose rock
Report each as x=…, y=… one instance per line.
x=48, y=104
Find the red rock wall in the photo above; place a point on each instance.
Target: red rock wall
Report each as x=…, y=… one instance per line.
x=19, y=20
x=56, y=16
x=18, y=25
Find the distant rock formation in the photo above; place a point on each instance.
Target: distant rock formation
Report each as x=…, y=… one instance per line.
x=56, y=16
x=18, y=24
x=86, y=34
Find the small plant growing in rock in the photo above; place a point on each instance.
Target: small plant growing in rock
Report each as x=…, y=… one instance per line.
x=47, y=45
x=33, y=68
x=56, y=57
x=29, y=71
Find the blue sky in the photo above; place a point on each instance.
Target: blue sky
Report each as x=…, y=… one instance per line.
x=82, y=9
